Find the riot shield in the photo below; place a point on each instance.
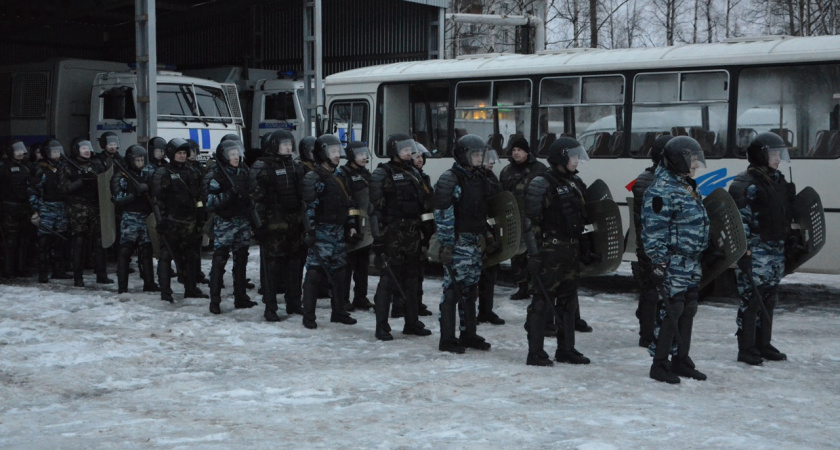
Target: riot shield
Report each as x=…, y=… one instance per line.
x=727, y=240
x=809, y=221
x=596, y=191
x=151, y=225
x=107, y=211
x=362, y=199
x=608, y=241
x=507, y=227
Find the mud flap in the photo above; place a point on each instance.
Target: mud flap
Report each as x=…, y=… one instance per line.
x=727, y=240
x=809, y=221
x=107, y=211
x=607, y=237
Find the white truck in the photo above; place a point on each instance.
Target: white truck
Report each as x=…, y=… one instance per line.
x=270, y=101
x=69, y=98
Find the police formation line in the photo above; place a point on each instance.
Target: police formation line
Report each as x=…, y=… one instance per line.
x=306, y=211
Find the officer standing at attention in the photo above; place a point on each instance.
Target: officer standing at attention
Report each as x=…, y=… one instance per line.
x=555, y=219
x=397, y=195
x=461, y=211
x=765, y=199
x=330, y=218
x=675, y=231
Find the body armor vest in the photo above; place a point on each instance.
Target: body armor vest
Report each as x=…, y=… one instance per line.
x=405, y=199
x=564, y=214
x=471, y=209
x=14, y=183
x=773, y=208
x=334, y=200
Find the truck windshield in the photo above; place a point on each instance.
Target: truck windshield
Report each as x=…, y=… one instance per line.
x=179, y=101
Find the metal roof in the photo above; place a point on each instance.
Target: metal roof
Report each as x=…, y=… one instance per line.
x=757, y=51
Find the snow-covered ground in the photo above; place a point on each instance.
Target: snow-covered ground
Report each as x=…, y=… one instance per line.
x=82, y=368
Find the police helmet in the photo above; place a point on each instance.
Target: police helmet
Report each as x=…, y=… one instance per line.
x=231, y=137
x=764, y=143
x=157, y=143
x=176, y=145
x=226, y=148
x=35, y=151
x=306, y=147
x=51, y=146
x=683, y=153
x=78, y=144
x=281, y=142
x=109, y=137
x=17, y=147
x=658, y=147
x=400, y=144
x=467, y=146
x=356, y=150
x=563, y=149
x=326, y=146
x=421, y=154
x=135, y=151
x=194, y=149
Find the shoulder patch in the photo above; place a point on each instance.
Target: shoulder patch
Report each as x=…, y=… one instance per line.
x=657, y=204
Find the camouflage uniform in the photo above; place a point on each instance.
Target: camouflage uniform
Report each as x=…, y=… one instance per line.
x=231, y=230
x=554, y=207
x=765, y=199
x=397, y=195
x=135, y=203
x=461, y=211
x=48, y=200
x=328, y=201
x=277, y=190
x=675, y=231
x=514, y=178
x=15, y=179
x=79, y=183
x=176, y=189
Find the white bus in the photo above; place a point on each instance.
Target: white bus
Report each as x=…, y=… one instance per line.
x=617, y=102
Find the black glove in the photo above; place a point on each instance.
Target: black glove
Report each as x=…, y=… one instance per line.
x=535, y=265
x=309, y=238
x=445, y=254
x=493, y=247
x=794, y=245
x=657, y=274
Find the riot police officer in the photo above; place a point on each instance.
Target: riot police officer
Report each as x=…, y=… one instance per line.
x=226, y=193
x=109, y=142
x=157, y=151
x=78, y=180
x=427, y=223
x=461, y=211
x=555, y=219
x=277, y=190
x=397, y=195
x=648, y=297
x=514, y=177
x=176, y=189
x=765, y=199
x=15, y=177
x=330, y=217
x=675, y=231
x=130, y=192
x=52, y=214
x=358, y=259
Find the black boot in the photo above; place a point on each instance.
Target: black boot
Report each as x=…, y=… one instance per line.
x=164, y=270
x=291, y=285
x=60, y=259
x=147, y=268
x=661, y=371
x=190, y=265
x=217, y=270
x=123, y=259
x=685, y=368
x=339, y=314
x=448, y=342
x=241, y=300
x=271, y=272
x=522, y=293
x=382, y=303
x=747, y=352
x=314, y=279
x=78, y=260
x=535, y=326
x=11, y=255
x=469, y=338
x=99, y=263
x=486, y=291
x=646, y=313
x=566, y=352
x=765, y=332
